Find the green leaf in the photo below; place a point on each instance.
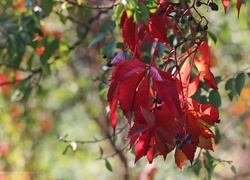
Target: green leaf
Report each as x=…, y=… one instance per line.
x=217, y=135
x=47, y=6
x=208, y=162
x=97, y=38
x=66, y=150
x=118, y=10
x=109, y=49
x=233, y=169
x=230, y=86
x=215, y=99
x=79, y=2
x=197, y=166
x=239, y=82
x=101, y=151
x=108, y=165
x=213, y=37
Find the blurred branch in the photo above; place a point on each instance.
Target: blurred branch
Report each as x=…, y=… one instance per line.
x=96, y=140
x=114, y=154
x=74, y=3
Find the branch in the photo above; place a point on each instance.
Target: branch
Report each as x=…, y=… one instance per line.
x=114, y=154
x=96, y=140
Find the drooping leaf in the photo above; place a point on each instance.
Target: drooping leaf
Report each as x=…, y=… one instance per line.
x=129, y=31
x=97, y=38
x=208, y=162
x=230, y=86
x=47, y=6
x=215, y=99
x=239, y=82
x=108, y=165
x=238, y=6
x=197, y=166
x=217, y=134
x=180, y=158
x=225, y=4
x=157, y=29
x=233, y=169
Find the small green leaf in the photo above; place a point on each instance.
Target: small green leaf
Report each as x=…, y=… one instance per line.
x=217, y=135
x=109, y=49
x=197, y=166
x=230, y=86
x=97, y=38
x=47, y=6
x=208, y=162
x=213, y=37
x=66, y=149
x=215, y=99
x=79, y=2
x=108, y=165
x=233, y=169
x=101, y=151
x=239, y=82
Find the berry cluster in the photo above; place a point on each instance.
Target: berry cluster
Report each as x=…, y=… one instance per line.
x=157, y=102
x=180, y=142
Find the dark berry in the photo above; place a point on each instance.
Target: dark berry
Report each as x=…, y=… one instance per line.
x=210, y=4
x=180, y=11
x=188, y=136
x=159, y=101
x=104, y=57
x=197, y=28
x=154, y=100
x=158, y=108
x=191, y=142
x=109, y=64
x=198, y=3
x=215, y=7
x=178, y=142
x=149, y=146
x=182, y=20
x=176, y=16
x=218, y=121
x=176, y=136
x=180, y=146
x=205, y=27
x=184, y=142
x=189, y=18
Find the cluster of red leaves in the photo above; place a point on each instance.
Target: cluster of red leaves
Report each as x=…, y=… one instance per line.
x=157, y=103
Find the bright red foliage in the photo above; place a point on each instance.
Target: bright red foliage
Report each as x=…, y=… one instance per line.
x=157, y=101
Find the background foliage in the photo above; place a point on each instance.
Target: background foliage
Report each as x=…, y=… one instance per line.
x=53, y=94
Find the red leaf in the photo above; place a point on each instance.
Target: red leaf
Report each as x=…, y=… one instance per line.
x=127, y=89
x=205, y=143
x=128, y=68
x=130, y=33
x=238, y=6
x=225, y=4
x=142, y=95
x=205, y=51
x=157, y=29
x=136, y=129
x=180, y=158
x=166, y=89
x=203, y=66
x=148, y=116
x=193, y=86
x=112, y=100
